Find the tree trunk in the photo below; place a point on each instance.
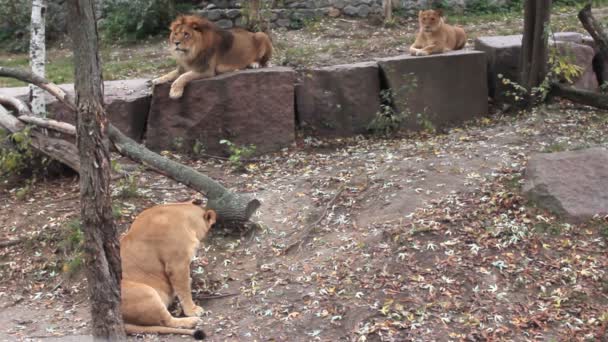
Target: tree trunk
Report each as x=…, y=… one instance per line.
x=585, y=97
x=233, y=209
x=387, y=9
x=38, y=54
x=253, y=20
x=101, y=243
x=595, y=29
x=534, y=52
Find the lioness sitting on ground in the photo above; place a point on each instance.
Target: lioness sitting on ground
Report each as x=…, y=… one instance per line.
x=156, y=254
x=435, y=36
x=202, y=50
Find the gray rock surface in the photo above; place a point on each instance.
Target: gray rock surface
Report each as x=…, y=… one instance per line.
x=245, y=107
x=442, y=90
x=340, y=100
x=572, y=184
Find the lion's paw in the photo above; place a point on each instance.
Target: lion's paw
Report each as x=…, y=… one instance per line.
x=176, y=92
x=254, y=65
x=422, y=53
x=196, y=311
x=157, y=81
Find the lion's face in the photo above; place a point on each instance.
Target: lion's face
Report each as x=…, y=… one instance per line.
x=187, y=39
x=430, y=20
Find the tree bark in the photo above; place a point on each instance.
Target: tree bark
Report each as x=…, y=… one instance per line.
x=102, y=253
x=233, y=209
x=38, y=54
x=534, y=52
x=584, y=97
x=595, y=29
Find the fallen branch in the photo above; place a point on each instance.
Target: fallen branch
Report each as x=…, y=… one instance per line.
x=584, y=97
x=232, y=209
x=305, y=234
x=28, y=77
x=9, y=243
x=19, y=106
x=58, y=149
x=58, y=126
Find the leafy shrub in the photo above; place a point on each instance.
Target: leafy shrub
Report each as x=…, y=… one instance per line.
x=15, y=23
x=129, y=20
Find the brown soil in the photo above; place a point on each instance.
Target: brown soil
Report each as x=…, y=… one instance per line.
x=430, y=239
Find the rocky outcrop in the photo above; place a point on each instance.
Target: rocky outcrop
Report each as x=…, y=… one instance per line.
x=251, y=107
x=340, y=100
x=571, y=184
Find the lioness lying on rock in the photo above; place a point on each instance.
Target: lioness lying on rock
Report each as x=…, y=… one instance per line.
x=435, y=36
x=202, y=50
x=156, y=254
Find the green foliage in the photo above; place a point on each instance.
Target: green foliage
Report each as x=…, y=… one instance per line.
x=128, y=21
x=563, y=67
x=71, y=246
x=127, y=187
x=238, y=154
x=387, y=121
x=17, y=156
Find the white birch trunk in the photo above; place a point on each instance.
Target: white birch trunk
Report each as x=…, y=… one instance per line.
x=38, y=54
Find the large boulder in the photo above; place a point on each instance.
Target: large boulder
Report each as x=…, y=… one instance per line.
x=503, y=54
x=127, y=104
x=571, y=184
x=442, y=90
x=339, y=100
x=245, y=107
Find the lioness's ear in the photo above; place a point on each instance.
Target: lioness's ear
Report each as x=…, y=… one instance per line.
x=439, y=12
x=210, y=216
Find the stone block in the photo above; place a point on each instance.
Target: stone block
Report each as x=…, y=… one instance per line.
x=246, y=107
x=502, y=55
x=442, y=90
x=339, y=100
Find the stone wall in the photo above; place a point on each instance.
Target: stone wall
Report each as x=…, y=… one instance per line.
x=294, y=13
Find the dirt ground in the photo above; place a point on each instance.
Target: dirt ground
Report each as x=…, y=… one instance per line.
x=427, y=238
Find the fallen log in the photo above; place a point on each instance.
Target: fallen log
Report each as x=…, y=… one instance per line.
x=58, y=149
x=584, y=97
x=234, y=210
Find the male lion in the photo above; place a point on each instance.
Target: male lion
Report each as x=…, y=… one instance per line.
x=203, y=50
x=156, y=254
x=435, y=36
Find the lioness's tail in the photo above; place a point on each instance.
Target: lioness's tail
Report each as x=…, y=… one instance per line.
x=142, y=329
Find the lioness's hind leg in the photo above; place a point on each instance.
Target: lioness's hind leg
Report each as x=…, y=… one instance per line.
x=142, y=305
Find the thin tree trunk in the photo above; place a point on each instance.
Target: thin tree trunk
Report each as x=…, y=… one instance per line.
x=101, y=243
x=595, y=29
x=38, y=54
x=387, y=9
x=534, y=52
